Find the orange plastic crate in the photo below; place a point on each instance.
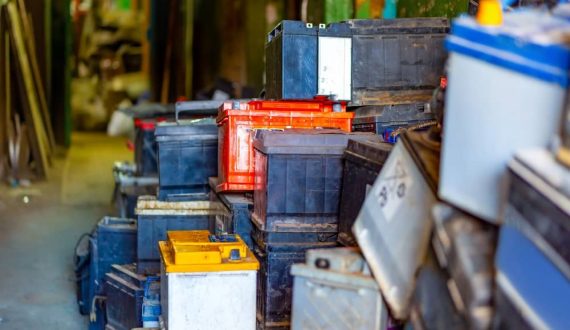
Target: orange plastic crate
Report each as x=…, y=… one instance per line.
x=236, y=127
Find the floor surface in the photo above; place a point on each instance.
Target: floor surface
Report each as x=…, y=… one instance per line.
x=39, y=226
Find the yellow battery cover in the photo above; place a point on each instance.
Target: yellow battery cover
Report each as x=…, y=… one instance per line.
x=198, y=251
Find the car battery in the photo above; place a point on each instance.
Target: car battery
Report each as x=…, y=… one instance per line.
x=275, y=283
x=207, y=281
x=396, y=60
x=187, y=157
x=146, y=159
x=387, y=120
x=363, y=160
x=393, y=227
x=156, y=218
x=113, y=242
x=531, y=291
x=507, y=88
x=129, y=187
x=298, y=64
x=239, y=206
x=291, y=61
x=465, y=247
x=237, y=121
x=333, y=280
x=124, y=289
x=432, y=306
x=539, y=196
x=298, y=178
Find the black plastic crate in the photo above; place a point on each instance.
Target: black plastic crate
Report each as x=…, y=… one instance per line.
x=187, y=157
x=291, y=61
x=385, y=119
x=155, y=218
x=298, y=178
x=362, y=163
x=125, y=291
x=394, y=57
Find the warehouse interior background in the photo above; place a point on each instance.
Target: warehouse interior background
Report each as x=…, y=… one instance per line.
x=73, y=75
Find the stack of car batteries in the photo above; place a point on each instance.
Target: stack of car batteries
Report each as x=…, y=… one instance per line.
x=238, y=120
x=187, y=156
x=298, y=177
x=493, y=273
x=375, y=62
x=388, y=67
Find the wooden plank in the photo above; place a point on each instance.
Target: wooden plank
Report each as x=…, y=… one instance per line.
x=4, y=98
x=34, y=121
x=37, y=78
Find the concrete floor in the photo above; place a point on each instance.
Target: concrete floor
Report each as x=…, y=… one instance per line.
x=39, y=226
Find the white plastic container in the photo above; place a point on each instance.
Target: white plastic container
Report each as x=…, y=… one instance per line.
x=207, y=282
x=335, y=290
x=393, y=227
x=506, y=90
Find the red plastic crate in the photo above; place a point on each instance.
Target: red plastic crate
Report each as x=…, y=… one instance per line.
x=318, y=104
x=235, y=154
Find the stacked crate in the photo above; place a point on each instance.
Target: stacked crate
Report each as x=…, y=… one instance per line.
x=298, y=177
x=186, y=153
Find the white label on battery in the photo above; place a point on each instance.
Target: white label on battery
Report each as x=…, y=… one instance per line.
x=395, y=184
x=335, y=67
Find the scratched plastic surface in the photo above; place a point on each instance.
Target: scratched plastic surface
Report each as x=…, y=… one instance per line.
x=236, y=123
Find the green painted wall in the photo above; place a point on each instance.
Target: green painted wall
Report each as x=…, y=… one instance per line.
x=328, y=11
x=432, y=8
